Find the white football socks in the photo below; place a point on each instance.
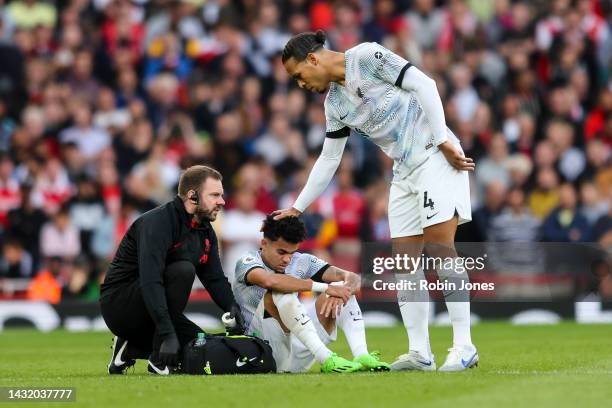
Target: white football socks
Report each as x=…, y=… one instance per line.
x=414, y=307
x=295, y=318
x=458, y=305
x=351, y=323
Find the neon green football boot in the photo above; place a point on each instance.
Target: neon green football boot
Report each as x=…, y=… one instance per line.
x=337, y=364
x=372, y=362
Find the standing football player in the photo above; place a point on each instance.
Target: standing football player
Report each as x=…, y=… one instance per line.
x=386, y=99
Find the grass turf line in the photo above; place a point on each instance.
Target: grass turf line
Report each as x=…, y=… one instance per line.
x=544, y=366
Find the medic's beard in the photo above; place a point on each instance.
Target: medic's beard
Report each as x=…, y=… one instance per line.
x=205, y=214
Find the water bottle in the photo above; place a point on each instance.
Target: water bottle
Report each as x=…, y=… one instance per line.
x=201, y=340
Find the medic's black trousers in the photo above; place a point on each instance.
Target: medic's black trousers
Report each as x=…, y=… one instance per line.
x=126, y=315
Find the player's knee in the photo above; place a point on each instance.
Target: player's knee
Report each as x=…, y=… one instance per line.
x=284, y=300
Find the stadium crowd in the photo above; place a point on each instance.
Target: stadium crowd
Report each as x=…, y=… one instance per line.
x=103, y=102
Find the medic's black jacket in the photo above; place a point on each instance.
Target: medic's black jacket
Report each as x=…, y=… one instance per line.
x=160, y=237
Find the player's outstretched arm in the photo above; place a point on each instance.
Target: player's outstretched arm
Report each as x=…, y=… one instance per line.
x=320, y=176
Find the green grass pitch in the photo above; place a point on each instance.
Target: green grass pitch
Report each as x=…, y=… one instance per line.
x=566, y=365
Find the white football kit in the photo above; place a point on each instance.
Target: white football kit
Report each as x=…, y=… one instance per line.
x=250, y=298
x=396, y=106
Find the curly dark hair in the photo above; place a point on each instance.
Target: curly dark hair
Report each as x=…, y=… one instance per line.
x=291, y=229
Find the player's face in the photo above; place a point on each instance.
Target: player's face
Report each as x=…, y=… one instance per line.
x=277, y=254
x=309, y=73
x=211, y=200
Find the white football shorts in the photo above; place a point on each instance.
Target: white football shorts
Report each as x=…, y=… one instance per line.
x=430, y=195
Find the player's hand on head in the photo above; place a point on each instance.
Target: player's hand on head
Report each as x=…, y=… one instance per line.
x=331, y=307
x=341, y=292
x=287, y=212
x=456, y=158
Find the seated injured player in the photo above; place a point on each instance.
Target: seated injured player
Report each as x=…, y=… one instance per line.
x=266, y=285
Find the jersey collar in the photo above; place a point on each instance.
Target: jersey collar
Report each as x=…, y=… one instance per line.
x=186, y=218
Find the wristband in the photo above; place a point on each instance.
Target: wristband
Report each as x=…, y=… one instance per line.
x=319, y=286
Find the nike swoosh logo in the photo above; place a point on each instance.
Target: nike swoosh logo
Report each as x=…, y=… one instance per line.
x=467, y=363
x=356, y=320
x=342, y=117
x=118, y=361
x=165, y=371
x=305, y=323
x=425, y=363
x=240, y=363
x=429, y=218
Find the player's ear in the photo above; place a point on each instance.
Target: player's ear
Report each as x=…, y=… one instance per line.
x=264, y=243
x=312, y=58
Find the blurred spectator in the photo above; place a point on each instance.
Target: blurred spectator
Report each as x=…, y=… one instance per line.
x=32, y=13
x=478, y=229
x=16, y=262
x=178, y=15
x=52, y=188
x=349, y=206
x=60, y=238
x=312, y=216
x=7, y=126
x=154, y=177
x=25, y=223
x=377, y=198
x=464, y=97
x=598, y=167
x=108, y=116
x=280, y=145
x=82, y=82
x=46, y=284
x=493, y=166
x=80, y=285
x=427, y=23
x=602, y=230
x=90, y=140
x=592, y=206
x=86, y=211
x=259, y=176
x=240, y=229
x=10, y=196
x=515, y=223
x=545, y=196
x=571, y=159
x=566, y=223
x=110, y=230
x=519, y=167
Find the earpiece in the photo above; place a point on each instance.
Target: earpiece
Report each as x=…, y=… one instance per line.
x=195, y=198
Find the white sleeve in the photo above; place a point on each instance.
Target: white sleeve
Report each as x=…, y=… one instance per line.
x=427, y=93
x=322, y=172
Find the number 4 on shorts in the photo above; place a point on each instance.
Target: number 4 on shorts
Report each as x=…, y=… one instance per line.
x=427, y=202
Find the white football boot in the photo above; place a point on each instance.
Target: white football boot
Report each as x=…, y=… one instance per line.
x=414, y=361
x=460, y=358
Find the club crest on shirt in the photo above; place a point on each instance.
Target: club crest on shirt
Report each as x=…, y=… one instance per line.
x=378, y=55
x=204, y=257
